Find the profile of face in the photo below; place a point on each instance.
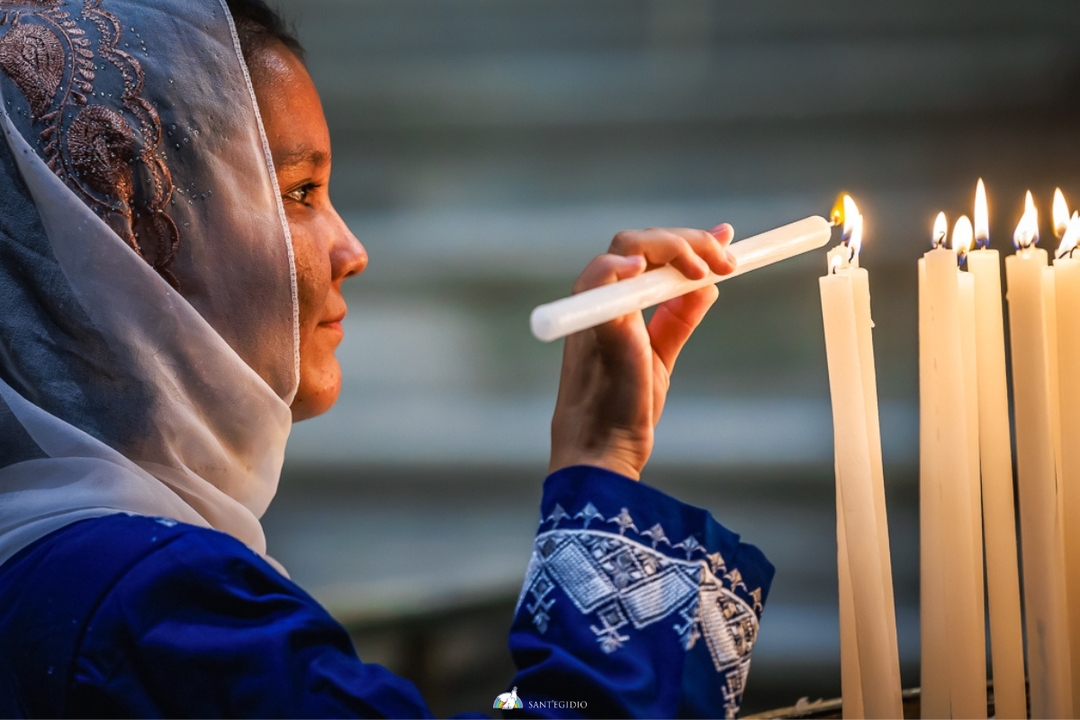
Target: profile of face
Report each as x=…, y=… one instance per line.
x=325, y=251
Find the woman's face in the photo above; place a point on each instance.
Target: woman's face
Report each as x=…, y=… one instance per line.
x=325, y=251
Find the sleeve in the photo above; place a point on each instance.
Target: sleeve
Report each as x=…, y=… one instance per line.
x=633, y=605
x=202, y=627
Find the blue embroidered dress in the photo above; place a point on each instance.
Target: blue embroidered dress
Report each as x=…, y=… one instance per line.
x=634, y=605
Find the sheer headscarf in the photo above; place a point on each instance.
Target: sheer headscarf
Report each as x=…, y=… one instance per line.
x=148, y=314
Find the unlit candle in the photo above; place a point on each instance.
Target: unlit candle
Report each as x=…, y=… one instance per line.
x=600, y=305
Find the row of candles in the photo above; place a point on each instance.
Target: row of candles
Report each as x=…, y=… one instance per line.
x=966, y=472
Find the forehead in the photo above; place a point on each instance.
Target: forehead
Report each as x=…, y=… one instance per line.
x=291, y=110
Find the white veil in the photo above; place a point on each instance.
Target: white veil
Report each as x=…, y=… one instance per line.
x=148, y=329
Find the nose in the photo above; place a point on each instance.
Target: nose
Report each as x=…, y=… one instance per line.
x=348, y=256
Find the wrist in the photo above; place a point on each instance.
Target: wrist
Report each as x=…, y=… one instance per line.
x=626, y=461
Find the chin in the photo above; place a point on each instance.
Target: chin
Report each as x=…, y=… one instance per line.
x=318, y=391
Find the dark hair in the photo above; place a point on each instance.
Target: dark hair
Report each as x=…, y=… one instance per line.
x=258, y=25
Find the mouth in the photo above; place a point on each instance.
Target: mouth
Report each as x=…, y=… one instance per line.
x=334, y=323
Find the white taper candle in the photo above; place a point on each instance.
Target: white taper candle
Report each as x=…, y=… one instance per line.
x=603, y=304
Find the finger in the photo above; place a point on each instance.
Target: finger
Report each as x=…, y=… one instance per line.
x=711, y=246
x=724, y=234
x=606, y=269
x=693, y=252
x=660, y=246
x=675, y=321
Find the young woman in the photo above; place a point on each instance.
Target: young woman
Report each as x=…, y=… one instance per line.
x=170, y=302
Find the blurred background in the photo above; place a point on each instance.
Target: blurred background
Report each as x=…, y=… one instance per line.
x=485, y=150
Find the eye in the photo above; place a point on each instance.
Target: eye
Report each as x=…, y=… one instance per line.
x=301, y=194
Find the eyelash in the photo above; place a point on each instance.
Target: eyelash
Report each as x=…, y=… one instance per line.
x=301, y=193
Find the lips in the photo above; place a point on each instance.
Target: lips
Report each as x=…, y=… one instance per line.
x=334, y=320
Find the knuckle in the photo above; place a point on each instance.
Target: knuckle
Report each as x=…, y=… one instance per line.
x=623, y=240
x=581, y=284
x=698, y=239
x=594, y=272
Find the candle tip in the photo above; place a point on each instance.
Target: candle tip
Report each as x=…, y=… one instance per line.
x=836, y=260
x=853, y=229
x=846, y=213
x=962, y=235
x=982, y=218
x=1069, y=238
x=1027, y=230
x=1060, y=214
x=941, y=230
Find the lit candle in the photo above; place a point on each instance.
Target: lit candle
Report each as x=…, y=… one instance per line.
x=963, y=235
x=1044, y=566
x=868, y=627
x=933, y=625
x=1067, y=272
x=995, y=451
x=950, y=460
x=1060, y=214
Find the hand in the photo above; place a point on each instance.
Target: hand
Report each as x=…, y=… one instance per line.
x=615, y=377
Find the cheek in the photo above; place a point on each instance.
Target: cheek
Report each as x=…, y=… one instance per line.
x=312, y=277
x=320, y=374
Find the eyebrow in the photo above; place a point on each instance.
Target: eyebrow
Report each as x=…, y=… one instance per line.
x=304, y=156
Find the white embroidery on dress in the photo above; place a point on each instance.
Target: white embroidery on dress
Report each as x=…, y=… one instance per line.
x=755, y=595
x=689, y=631
x=557, y=516
x=539, y=608
x=733, y=691
x=626, y=583
x=588, y=513
x=624, y=521
x=690, y=545
x=608, y=636
x=656, y=534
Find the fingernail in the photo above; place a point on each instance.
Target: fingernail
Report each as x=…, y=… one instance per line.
x=731, y=258
x=721, y=229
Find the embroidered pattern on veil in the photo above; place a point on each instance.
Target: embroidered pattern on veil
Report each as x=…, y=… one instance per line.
x=111, y=159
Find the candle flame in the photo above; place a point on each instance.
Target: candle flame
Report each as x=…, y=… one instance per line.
x=941, y=231
x=1060, y=214
x=853, y=228
x=1027, y=230
x=836, y=216
x=836, y=261
x=962, y=236
x=982, y=220
x=1070, y=238
x=846, y=213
